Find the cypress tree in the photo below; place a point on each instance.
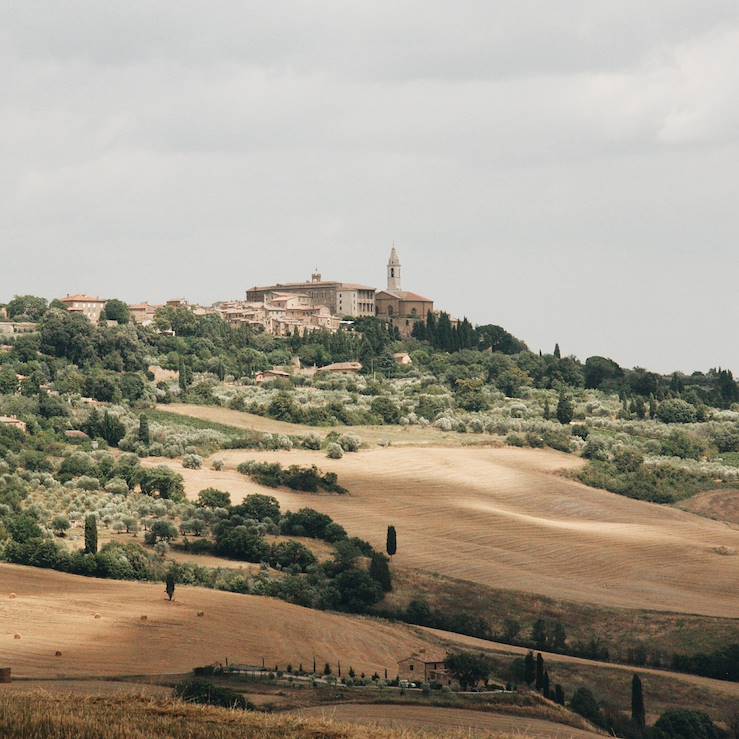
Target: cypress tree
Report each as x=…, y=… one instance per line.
x=545, y=685
x=638, y=713
x=565, y=410
x=652, y=406
x=529, y=668
x=170, y=583
x=314, y=665
x=557, y=352
x=559, y=694
x=184, y=378
x=91, y=534
x=547, y=409
x=391, y=544
x=539, y=671
x=144, y=436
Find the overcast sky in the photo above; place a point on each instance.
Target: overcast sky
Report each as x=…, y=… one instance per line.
x=568, y=170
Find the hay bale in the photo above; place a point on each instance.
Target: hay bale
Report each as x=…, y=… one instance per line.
x=16, y=636
x=11, y=596
x=97, y=615
x=144, y=618
x=57, y=653
x=201, y=613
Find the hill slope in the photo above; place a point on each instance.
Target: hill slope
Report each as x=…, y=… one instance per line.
x=504, y=518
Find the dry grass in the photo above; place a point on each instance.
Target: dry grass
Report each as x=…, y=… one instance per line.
x=721, y=505
x=442, y=721
x=39, y=715
x=504, y=518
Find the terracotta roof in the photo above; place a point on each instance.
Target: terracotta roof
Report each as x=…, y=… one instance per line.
x=341, y=366
x=406, y=295
x=81, y=298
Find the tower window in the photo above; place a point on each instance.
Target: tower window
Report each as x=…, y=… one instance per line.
x=392, y=271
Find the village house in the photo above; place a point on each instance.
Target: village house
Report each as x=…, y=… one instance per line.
x=14, y=422
x=341, y=368
x=269, y=375
x=423, y=667
x=400, y=308
x=142, y=313
x=85, y=305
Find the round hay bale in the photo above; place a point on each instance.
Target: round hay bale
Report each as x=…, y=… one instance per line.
x=97, y=615
x=57, y=653
x=144, y=618
x=11, y=596
x=16, y=636
x=201, y=613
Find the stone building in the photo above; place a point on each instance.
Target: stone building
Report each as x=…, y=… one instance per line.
x=399, y=307
x=341, y=298
x=85, y=305
x=422, y=667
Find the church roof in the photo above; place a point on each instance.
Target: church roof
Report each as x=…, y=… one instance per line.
x=406, y=295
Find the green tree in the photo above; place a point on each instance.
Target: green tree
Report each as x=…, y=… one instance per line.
x=170, y=584
x=539, y=633
x=391, y=542
x=565, y=409
x=26, y=306
x=183, y=375
x=684, y=724
x=115, y=310
x=545, y=685
x=60, y=525
x=638, y=713
x=539, y=672
x=529, y=668
x=380, y=571
x=91, y=534
x=559, y=694
x=213, y=498
x=584, y=703
x=468, y=668
x=144, y=435
x=112, y=429
x=557, y=353
x=547, y=409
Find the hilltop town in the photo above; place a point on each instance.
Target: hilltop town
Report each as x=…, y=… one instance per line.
x=282, y=309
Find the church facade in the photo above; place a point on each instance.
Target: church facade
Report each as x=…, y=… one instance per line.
x=400, y=308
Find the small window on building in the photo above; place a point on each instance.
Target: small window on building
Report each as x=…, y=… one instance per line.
x=411, y=668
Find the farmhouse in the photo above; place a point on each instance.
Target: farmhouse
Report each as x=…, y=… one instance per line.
x=14, y=422
x=341, y=368
x=85, y=305
x=423, y=667
x=269, y=375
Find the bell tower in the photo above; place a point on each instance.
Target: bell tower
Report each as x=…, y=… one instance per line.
x=393, y=270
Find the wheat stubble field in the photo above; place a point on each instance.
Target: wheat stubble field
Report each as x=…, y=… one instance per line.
x=507, y=518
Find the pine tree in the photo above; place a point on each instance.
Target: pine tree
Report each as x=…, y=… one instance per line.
x=144, y=436
x=557, y=352
x=529, y=668
x=638, y=713
x=170, y=583
x=539, y=671
x=91, y=534
x=391, y=544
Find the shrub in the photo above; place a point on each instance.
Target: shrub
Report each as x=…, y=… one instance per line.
x=350, y=442
x=192, y=461
x=87, y=483
x=681, y=724
x=206, y=693
x=311, y=441
x=117, y=486
x=334, y=451
x=217, y=465
x=213, y=498
x=676, y=410
x=386, y=409
x=307, y=522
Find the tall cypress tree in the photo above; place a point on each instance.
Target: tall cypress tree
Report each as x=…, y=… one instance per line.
x=184, y=376
x=547, y=409
x=539, y=671
x=638, y=713
x=391, y=543
x=379, y=571
x=557, y=353
x=545, y=685
x=144, y=436
x=170, y=583
x=91, y=534
x=559, y=694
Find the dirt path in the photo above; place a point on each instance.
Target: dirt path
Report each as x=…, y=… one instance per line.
x=504, y=518
x=440, y=721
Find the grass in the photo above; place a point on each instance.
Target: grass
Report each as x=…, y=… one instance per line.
x=175, y=419
x=731, y=459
